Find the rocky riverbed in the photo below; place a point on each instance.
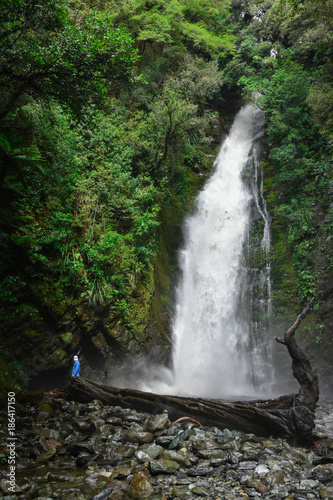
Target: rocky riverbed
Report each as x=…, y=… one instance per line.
x=68, y=450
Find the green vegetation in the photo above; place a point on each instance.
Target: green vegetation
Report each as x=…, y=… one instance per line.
x=107, y=110
x=283, y=64
x=103, y=117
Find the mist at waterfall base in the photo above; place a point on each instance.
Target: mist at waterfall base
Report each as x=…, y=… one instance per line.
x=220, y=350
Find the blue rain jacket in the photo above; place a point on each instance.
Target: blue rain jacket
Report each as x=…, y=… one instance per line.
x=76, y=369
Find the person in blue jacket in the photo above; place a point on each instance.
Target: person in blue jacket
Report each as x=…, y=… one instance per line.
x=76, y=367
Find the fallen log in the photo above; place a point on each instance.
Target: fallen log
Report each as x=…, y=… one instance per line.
x=278, y=418
x=289, y=416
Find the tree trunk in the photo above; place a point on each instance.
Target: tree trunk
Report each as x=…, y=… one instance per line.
x=276, y=417
x=309, y=391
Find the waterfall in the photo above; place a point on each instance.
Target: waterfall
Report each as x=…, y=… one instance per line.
x=216, y=351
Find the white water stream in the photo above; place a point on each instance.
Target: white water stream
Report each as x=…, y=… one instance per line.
x=215, y=354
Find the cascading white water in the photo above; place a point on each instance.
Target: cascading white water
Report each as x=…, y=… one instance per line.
x=259, y=285
x=211, y=330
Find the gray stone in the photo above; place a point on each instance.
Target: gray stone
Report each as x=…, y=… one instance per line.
x=142, y=456
x=42, y=416
x=199, y=491
x=251, y=448
x=163, y=466
x=183, y=436
x=121, y=472
x=141, y=485
x=261, y=471
x=49, y=433
x=309, y=484
x=198, y=471
x=326, y=493
x=164, y=441
x=299, y=455
x=125, y=451
x=46, y=456
x=103, y=495
x=324, y=473
x=178, y=457
x=276, y=477
x=133, y=436
x=153, y=450
x=83, y=425
x=247, y=465
x=211, y=453
x=202, y=444
x=114, y=421
x=158, y=422
x=7, y=486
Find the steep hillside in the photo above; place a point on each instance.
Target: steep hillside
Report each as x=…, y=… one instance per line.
x=109, y=117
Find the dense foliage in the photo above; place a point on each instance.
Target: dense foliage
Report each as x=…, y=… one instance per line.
x=106, y=111
x=284, y=63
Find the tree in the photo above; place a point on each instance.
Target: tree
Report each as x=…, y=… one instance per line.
x=46, y=53
x=198, y=25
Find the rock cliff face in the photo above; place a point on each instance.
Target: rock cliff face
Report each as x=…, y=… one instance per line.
x=315, y=334
x=101, y=340
x=317, y=339
x=40, y=352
